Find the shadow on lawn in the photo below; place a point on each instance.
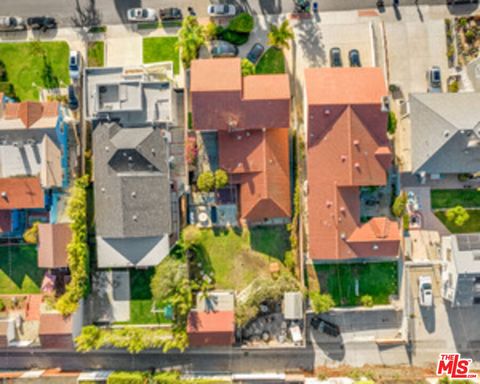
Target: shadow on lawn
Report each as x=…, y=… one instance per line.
x=18, y=262
x=271, y=240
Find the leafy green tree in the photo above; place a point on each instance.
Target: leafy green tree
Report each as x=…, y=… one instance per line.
x=399, y=205
x=280, y=36
x=31, y=234
x=366, y=301
x=242, y=23
x=190, y=38
x=206, y=181
x=221, y=179
x=212, y=30
x=392, y=122
x=457, y=215
x=168, y=276
x=248, y=68
x=321, y=302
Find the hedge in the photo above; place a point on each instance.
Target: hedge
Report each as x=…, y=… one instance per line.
x=126, y=378
x=236, y=38
x=242, y=23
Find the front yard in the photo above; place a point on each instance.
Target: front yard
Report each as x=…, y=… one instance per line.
x=449, y=198
x=32, y=66
x=377, y=279
x=19, y=272
x=96, y=53
x=157, y=49
x=237, y=258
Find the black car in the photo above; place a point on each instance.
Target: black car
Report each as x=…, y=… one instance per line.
x=223, y=49
x=325, y=326
x=170, y=14
x=72, y=98
x=354, y=58
x=335, y=57
x=255, y=53
x=42, y=23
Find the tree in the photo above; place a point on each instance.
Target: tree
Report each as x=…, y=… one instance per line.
x=392, y=122
x=248, y=68
x=399, y=205
x=168, y=276
x=88, y=339
x=457, y=215
x=279, y=36
x=191, y=236
x=31, y=235
x=321, y=302
x=366, y=301
x=221, y=179
x=211, y=30
x=206, y=181
x=242, y=23
x=190, y=38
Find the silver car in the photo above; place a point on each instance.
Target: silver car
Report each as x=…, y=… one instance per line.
x=12, y=23
x=141, y=14
x=215, y=10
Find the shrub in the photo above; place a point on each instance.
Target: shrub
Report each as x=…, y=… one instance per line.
x=191, y=236
x=190, y=38
x=191, y=150
x=451, y=52
x=399, y=204
x=406, y=222
x=366, y=301
x=3, y=71
x=221, y=179
x=470, y=36
x=235, y=38
x=453, y=86
x=321, y=302
x=457, y=215
x=393, y=88
x=2, y=305
x=212, y=30
x=126, y=378
x=392, y=122
x=206, y=181
x=31, y=234
x=248, y=68
x=242, y=23
x=8, y=89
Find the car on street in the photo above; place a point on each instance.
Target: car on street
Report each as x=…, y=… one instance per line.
x=354, y=58
x=170, y=14
x=325, y=326
x=74, y=65
x=215, y=10
x=42, y=23
x=425, y=293
x=335, y=57
x=434, y=79
x=12, y=23
x=141, y=14
x=255, y=53
x=223, y=49
x=72, y=98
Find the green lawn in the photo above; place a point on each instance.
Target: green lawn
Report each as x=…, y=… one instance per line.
x=19, y=272
x=35, y=65
x=273, y=61
x=472, y=224
x=449, y=198
x=161, y=49
x=237, y=259
x=376, y=279
x=96, y=51
x=141, y=298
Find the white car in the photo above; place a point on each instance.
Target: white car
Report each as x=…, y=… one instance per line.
x=141, y=14
x=215, y=10
x=12, y=23
x=425, y=293
x=74, y=65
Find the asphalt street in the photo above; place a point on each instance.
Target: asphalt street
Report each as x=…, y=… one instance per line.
x=114, y=11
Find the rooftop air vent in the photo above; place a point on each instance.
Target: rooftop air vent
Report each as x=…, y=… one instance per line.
x=375, y=247
x=4, y=194
x=446, y=134
x=385, y=104
x=326, y=112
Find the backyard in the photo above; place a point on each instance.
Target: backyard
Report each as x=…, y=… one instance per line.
x=377, y=279
x=238, y=258
x=470, y=226
x=273, y=61
x=157, y=49
x=449, y=198
x=95, y=53
x=19, y=272
x=32, y=66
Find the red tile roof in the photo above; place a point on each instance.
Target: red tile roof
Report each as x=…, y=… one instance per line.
x=29, y=112
x=252, y=124
x=52, y=245
x=201, y=322
x=21, y=193
x=347, y=147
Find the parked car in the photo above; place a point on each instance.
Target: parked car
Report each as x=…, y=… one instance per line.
x=74, y=65
x=141, y=14
x=255, y=53
x=215, y=10
x=72, y=98
x=335, y=57
x=170, y=14
x=434, y=79
x=425, y=293
x=223, y=49
x=354, y=58
x=325, y=326
x=12, y=23
x=42, y=23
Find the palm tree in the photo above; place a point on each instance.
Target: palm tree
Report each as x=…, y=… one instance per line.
x=191, y=37
x=279, y=36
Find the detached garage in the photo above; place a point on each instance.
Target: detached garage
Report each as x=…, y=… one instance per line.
x=211, y=328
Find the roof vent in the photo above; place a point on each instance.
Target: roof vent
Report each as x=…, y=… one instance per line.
x=357, y=165
x=342, y=209
x=356, y=142
x=343, y=158
x=329, y=204
x=385, y=104
x=247, y=133
x=4, y=194
x=446, y=133
x=135, y=218
x=102, y=189
x=239, y=137
x=375, y=247
x=153, y=151
x=134, y=194
x=107, y=149
x=343, y=235
x=326, y=112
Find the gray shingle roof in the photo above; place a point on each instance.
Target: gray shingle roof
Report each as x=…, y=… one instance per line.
x=444, y=132
x=132, y=188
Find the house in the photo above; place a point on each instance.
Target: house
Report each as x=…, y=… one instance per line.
x=206, y=329
x=57, y=331
x=347, y=148
x=53, y=240
x=249, y=118
x=461, y=269
x=445, y=133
